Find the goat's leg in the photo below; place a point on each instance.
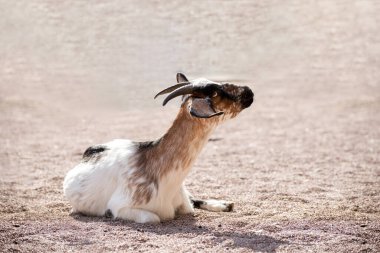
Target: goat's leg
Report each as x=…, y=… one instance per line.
x=185, y=206
x=188, y=203
x=119, y=206
x=213, y=205
x=138, y=215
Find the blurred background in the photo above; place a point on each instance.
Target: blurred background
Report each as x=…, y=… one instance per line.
x=123, y=52
x=302, y=164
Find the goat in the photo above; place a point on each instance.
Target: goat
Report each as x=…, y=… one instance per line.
x=143, y=181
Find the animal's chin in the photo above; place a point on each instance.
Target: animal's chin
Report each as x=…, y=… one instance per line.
x=228, y=116
x=246, y=103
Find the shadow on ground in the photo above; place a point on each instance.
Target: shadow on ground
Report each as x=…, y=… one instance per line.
x=187, y=225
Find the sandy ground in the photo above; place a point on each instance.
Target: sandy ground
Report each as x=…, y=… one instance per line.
x=302, y=165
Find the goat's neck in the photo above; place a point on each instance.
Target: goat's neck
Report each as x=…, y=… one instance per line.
x=179, y=147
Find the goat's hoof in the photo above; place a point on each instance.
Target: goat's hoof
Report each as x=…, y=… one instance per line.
x=108, y=214
x=217, y=205
x=229, y=206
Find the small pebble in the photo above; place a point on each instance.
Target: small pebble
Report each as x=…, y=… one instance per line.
x=199, y=226
x=220, y=225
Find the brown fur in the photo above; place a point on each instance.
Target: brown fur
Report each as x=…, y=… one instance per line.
x=179, y=147
x=229, y=104
x=154, y=160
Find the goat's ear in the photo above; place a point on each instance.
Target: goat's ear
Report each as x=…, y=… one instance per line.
x=202, y=108
x=181, y=78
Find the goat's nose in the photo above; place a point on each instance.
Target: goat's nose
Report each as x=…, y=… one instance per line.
x=247, y=97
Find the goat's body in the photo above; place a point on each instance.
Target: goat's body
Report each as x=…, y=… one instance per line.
x=138, y=181
x=95, y=187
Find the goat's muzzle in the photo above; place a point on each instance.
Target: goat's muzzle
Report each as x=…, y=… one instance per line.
x=246, y=98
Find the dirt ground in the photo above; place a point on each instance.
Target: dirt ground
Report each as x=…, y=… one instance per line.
x=302, y=164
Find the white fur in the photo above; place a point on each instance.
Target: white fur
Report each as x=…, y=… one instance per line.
x=89, y=186
x=93, y=188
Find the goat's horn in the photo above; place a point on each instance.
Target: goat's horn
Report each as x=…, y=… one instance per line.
x=188, y=89
x=172, y=88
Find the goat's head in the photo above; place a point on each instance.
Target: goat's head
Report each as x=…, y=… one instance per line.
x=207, y=99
